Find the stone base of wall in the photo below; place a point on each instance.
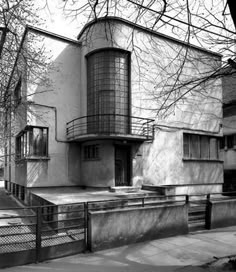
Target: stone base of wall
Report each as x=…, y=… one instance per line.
x=185, y=189
x=113, y=228
x=222, y=213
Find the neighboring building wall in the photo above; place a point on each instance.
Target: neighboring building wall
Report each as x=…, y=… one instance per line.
x=228, y=145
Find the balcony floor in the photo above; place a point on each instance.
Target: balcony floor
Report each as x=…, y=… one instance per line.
x=128, y=137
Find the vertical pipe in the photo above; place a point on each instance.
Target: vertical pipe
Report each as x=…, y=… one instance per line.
x=38, y=234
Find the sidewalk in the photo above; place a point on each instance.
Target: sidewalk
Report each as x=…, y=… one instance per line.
x=192, y=252
x=8, y=205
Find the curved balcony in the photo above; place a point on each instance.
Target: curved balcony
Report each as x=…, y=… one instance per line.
x=110, y=126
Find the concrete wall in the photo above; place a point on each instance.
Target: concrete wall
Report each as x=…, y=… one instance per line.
x=163, y=164
x=99, y=172
x=222, y=213
x=114, y=228
x=54, y=99
x=64, y=97
x=149, y=78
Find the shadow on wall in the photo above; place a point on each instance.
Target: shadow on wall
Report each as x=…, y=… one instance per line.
x=162, y=159
x=37, y=173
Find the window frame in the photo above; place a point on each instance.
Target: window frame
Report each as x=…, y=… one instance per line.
x=18, y=92
x=91, y=152
x=228, y=142
x=27, y=148
x=204, y=142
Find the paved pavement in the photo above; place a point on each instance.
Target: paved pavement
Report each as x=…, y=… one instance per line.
x=199, y=251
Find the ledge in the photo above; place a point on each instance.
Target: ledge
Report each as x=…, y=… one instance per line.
x=201, y=160
x=33, y=158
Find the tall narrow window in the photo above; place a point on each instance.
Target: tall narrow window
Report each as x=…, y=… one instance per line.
x=17, y=92
x=108, y=91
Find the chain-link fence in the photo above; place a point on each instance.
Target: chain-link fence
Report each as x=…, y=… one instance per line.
x=47, y=231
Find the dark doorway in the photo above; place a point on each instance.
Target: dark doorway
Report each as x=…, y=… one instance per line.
x=122, y=166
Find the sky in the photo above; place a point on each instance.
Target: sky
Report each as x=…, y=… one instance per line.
x=57, y=22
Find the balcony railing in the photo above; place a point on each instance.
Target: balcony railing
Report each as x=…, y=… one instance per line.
x=110, y=125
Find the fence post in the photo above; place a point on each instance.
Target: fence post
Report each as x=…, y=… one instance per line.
x=208, y=197
x=187, y=199
x=86, y=234
x=143, y=202
x=38, y=234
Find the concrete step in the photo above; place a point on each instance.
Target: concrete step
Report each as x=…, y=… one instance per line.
x=198, y=225
x=192, y=218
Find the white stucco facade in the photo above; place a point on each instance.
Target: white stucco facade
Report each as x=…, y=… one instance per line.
x=158, y=161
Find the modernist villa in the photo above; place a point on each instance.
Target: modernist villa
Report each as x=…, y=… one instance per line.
x=111, y=114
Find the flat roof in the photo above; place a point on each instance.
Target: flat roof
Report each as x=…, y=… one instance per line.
x=150, y=31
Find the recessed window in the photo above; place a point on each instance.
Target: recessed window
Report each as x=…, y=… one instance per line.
x=201, y=147
x=91, y=152
x=17, y=92
x=32, y=142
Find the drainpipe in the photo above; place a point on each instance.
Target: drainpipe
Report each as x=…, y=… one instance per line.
x=55, y=111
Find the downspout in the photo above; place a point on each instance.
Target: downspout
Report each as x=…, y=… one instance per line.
x=55, y=111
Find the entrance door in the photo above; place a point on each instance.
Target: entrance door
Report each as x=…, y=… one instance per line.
x=122, y=166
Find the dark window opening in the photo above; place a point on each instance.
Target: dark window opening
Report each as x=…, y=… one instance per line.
x=17, y=93
x=91, y=152
x=200, y=147
x=32, y=142
x=228, y=142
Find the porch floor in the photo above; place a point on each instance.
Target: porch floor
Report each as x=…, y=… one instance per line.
x=67, y=195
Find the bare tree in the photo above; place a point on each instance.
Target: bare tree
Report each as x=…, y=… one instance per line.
x=15, y=60
x=203, y=23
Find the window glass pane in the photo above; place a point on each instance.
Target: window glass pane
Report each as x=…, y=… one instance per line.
x=222, y=142
x=91, y=152
x=37, y=141
x=213, y=148
x=186, y=145
x=44, y=143
x=230, y=141
x=204, y=147
x=195, y=146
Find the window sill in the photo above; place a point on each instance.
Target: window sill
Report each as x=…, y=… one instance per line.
x=34, y=158
x=201, y=160
x=95, y=159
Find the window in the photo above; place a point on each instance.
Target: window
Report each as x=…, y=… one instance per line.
x=32, y=142
x=200, y=147
x=108, y=90
x=228, y=142
x=91, y=152
x=17, y=92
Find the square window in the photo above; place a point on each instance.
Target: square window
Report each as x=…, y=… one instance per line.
x=32, y=142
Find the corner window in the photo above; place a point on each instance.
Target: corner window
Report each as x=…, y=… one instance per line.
x=201, y=147
x=32, y=142
x=91, y=152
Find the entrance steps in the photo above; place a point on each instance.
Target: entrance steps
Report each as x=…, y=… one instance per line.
x=125, y=189
x=197, y=216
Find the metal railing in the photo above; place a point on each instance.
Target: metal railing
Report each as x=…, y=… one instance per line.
x=52, y=231
x=110, y=124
